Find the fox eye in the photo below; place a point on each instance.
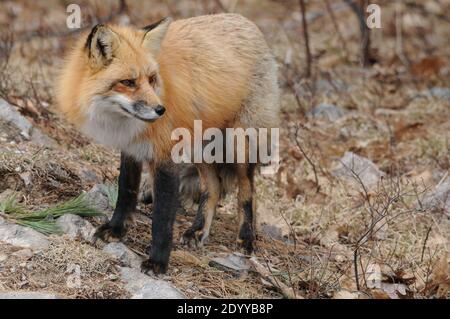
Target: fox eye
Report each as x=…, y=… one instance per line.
x=129, y=83
x=152, y=80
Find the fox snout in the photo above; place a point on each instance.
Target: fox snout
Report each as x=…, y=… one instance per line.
x=147, y=113
x=143, y=111
x=142, y=106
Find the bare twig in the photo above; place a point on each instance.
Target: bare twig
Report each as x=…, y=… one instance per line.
x=220, y=5
x=269, y=277
x=364, y=30
x=424, y=245
x=308, y=159
x=306, y=36
x=336, y=27
x=399, y=34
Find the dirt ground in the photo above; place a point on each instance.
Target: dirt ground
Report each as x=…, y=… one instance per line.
x=322, y=235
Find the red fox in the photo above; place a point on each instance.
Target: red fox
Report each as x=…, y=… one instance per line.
x=130, y=88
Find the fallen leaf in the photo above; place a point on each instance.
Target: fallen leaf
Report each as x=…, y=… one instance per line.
x=373, y=276
x=427, y=67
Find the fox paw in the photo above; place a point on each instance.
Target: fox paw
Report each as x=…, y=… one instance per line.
x=154, y=266
x=193, y=239
x=109, y=233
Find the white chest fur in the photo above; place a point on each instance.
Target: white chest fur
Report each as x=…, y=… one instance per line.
x=119, y=132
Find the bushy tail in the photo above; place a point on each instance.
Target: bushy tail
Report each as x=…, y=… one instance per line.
x=190, y=183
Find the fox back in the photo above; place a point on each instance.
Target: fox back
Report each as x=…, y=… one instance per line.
x=130, y=88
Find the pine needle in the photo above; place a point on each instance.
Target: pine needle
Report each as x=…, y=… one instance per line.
x=44, y=220
x=112, y=192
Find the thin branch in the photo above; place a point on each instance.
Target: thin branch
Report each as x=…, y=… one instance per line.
x=336, y=27
x=299, y=146
x=364, y=30
x=306, y=36
x=425, y=243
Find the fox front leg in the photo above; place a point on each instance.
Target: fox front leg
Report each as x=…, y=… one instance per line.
x=165, y=206
x=129, y=180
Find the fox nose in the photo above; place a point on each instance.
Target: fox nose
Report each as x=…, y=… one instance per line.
x=160, y=110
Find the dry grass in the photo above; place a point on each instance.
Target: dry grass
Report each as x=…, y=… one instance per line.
x=401, y=250
x=56, y=270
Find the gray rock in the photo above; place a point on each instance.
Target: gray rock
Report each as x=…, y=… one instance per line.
x=326, y=86
x=142, y=286
x=272, y=231
x=9, y=114
x=3, y=257
x=27, y=178
x=233, y=262
x=439, y=198
x=440, y=93
x=76, y=227
x=22, y=236
x=98, y=198
x=368, y=172
x=124, y=254
x=41, y=139
x=25, y=253
x=327, y=111
x=89, y=175
x=28, y=295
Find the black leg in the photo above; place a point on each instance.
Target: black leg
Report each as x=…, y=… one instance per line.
x=247, y=207
x=129, y=180
x=165, y=206
x=246, y=232
x=191, y=233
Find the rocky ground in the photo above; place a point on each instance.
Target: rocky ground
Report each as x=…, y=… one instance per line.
x=360, y=207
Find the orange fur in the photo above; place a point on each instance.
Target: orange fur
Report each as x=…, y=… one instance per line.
x=206, y=67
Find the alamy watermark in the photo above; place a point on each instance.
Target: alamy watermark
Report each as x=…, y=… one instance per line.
x=73, y=20
x=230, y=145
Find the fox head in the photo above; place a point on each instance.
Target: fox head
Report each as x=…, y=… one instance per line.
x=124, y=72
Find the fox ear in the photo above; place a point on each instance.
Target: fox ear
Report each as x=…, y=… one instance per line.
x=154, y=35
x=101, y=44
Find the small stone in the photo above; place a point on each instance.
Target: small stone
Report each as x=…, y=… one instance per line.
x=439, y=199
x=98, y=198
x=22, y=236
x=26, y=178
x=126, y=256
x=23, y=253
x=28, y=295
x=89, y=175
x=327, y=111
x=440, y=93
x=3, y=257
x=113, y=277
x=76, y=227
x=9, y=114
x=353, y=166
x=142, y=286
x=232, y=262
x=272, y=231
x=41, y=139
